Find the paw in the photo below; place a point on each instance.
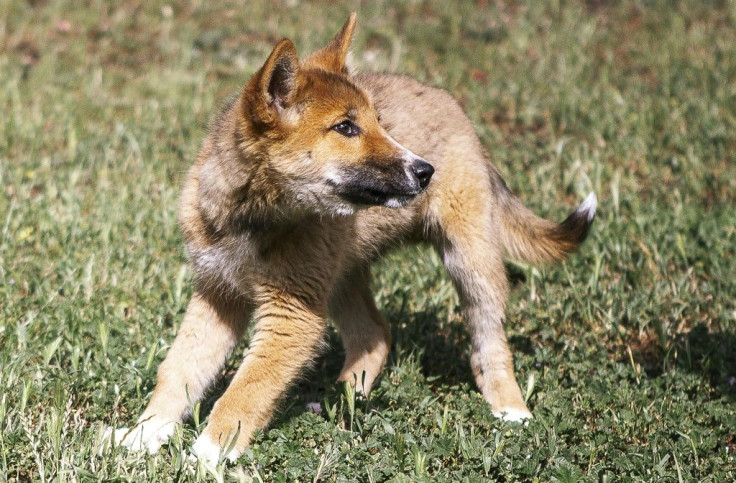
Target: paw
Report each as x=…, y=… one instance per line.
x=362, y=372
x=361, y=382
x=148, y=435
x=360, y=377
x=513, y=415
x=210, y=453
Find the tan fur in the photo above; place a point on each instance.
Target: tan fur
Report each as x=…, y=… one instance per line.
x=271, y=235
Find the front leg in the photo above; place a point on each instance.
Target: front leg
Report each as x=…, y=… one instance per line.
x=363, y=330
x=288, y=333
x=211, y=327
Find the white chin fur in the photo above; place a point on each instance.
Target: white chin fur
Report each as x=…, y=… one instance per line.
x=588, y=207
x=393, y=203
x=209, y=452
x=398, y=202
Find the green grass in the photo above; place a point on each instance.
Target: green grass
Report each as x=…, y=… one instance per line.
x=627, y=352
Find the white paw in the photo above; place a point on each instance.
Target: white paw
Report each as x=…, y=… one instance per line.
x=148, y=435
x=513, y=415
x=211, y=453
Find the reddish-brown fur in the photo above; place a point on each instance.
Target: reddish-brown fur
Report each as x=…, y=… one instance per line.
x=273, y=236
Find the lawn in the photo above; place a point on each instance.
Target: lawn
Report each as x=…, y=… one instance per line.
x=626, y=352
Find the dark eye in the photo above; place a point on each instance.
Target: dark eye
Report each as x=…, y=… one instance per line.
x=346, y=128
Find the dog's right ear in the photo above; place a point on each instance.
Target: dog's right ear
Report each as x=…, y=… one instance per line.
x=334, y=57
x=272, y=89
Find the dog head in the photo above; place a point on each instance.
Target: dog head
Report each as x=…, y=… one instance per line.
x=319, y=133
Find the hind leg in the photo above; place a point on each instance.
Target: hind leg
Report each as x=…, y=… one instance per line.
x=210, y=329
x=363, y=330
x=474, y=260
x=481, y=281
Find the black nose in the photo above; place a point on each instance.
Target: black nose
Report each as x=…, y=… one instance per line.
x=423, y=172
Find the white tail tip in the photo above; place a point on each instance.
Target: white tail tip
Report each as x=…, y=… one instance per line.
x=588, y=207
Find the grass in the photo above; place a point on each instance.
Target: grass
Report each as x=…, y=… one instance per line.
x=626, y=353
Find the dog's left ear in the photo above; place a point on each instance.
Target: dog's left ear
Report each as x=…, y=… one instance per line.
x=334, y=56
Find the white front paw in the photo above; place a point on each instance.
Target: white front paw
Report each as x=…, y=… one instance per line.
x=514, y=415
x=211, y=453
x=148, y=435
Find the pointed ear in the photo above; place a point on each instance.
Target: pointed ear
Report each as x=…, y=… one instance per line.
x=276, y=82
x=334, y=56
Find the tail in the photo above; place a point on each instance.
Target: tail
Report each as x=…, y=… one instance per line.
x=531, y=239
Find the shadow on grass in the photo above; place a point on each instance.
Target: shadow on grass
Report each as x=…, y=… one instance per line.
x=709, y=354
x=712, y=354
x=442, y=349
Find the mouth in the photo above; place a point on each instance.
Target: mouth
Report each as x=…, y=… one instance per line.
x=371, y=196
x=389, y=183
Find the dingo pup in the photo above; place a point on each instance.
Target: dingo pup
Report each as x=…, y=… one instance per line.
x=305, y=179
